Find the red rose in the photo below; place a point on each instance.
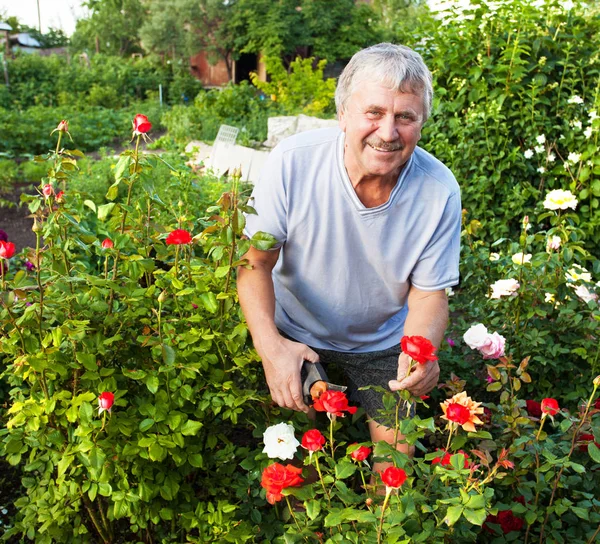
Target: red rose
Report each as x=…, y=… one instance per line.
x=361, y=453
x=550, y=407
x=509, y=522
x=179, y=237
x=59, y=196
x=47, y=190
x=276, y=478
x=393, y=477
x=105, y=401
x=534, y=408
x=313, y=440
x=418, y=348
x=333, y=402
x=458, y=413
x=141, y=125
x=7, y=250
x=63, y=126
x=107, y=243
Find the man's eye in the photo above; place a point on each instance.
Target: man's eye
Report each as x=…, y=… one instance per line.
x=374, y=114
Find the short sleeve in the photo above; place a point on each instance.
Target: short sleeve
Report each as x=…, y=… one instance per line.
x=269, y=199
x=438, y=265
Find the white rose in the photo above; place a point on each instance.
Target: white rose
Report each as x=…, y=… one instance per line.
x=494, y=256
x=476, y=336
x=504, y=288
x=578, y=273
x=560, y=200
x=520, y=258
x=280, y=441
x=584, y=294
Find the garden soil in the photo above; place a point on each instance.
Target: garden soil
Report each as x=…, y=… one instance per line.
x=15, y=220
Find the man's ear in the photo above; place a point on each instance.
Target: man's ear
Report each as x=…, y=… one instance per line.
x=342, y=119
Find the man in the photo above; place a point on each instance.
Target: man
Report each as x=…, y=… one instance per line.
x=368, y=227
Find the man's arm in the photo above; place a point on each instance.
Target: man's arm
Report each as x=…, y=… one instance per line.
x=428, y=317
x=282, y=358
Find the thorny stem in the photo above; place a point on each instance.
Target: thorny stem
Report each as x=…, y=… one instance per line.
x=562, y=468
x=331, y=422
x=385, y=503
x=593, y=539
x=323, y=481
x=292, y=513
x=94, y=519
x=38, y=274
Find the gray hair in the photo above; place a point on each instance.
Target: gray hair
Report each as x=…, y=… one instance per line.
x=395, y=65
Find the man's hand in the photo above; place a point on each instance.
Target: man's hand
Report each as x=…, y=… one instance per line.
x=282, y=360
x=421, y=380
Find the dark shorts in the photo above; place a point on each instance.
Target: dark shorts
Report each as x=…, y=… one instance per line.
x=375, y=368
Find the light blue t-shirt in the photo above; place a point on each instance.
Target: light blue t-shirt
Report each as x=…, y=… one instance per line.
x=344, y=271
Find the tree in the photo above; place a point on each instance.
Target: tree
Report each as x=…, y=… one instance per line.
x=112, y=28
x=183, y=27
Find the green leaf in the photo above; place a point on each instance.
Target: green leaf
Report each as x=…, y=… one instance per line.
x=146, y=424
x=168, y=354
x=87, y=360
x=92, y=206
x=105, y=489
x=122, y=167
x=476, y=517
x=221, y=272
x=344, y=469
x=594, y=452
x=196, y=460
x=313, y=508
x=209, y=301
x=156, y=452
x=152, y=384
x=113, y=191
x=453, y=514
x=495, y=386
x=104, y=210
x=97, y=458
x=93, y=491
x=190, y=428
x=580, y=512
x=263, y=241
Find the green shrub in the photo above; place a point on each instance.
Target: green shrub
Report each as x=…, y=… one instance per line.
x=301, y=89
x=508, y=78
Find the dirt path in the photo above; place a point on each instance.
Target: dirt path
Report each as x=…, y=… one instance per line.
x=14, y=221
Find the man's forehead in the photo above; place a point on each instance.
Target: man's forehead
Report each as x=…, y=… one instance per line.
x=379, y=96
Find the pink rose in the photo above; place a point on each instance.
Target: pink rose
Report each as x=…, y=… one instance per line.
x=493, y=347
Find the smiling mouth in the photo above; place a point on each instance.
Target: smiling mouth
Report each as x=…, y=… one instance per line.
x=389, y=148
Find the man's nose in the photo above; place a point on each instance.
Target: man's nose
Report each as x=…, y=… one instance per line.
x=388, y=130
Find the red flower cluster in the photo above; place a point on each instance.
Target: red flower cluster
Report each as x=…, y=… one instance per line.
x=534, y=408
x=141, y=125
x=313, y=440
x=7, y=249
x=276, y=478
x=444, y=459
x=418, y=348
x=333, y=402
x=584, y=440
x=507, y=520
x=360, y=453
x=393, y=477
x=550, y=407
x=179, y=237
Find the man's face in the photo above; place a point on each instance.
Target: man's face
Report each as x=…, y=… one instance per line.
x=382, y=129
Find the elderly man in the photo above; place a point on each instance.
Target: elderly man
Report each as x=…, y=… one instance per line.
x=368, y=229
